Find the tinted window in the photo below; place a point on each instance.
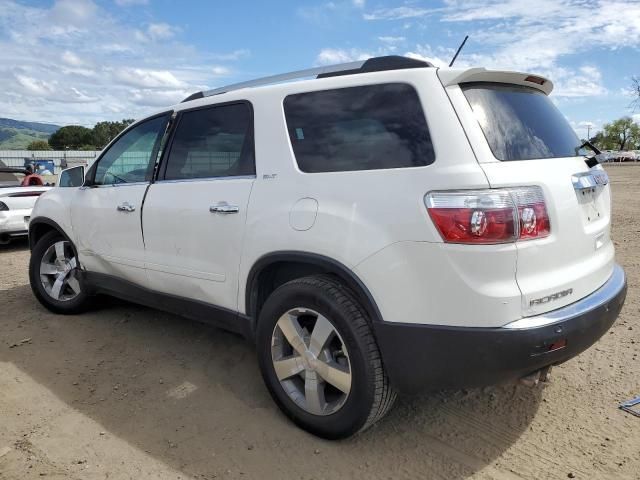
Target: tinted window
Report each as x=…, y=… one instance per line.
x=212, y=142
x=129, y=159
x=359, y=128
x=521, y=123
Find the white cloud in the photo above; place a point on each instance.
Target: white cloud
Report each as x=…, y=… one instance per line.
x=391, y=40
x=140, y=77
x=156, y=32
x=52, y=90
x=71, y=59
x=516, y=35
x=359, y=3
x=72, y=95
x=158, y=98
x=220, y=70
x=160, y=31
x=74, y=62
x=329, y=56
x=232, y=56
x=73, y=12
x=435, y=61
x=35, y=86
x=397, y=13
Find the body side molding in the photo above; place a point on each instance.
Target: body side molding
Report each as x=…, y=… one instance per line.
x=185, y=307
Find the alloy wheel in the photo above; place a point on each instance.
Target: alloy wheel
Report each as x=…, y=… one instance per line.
x=311, y=361
x=58, y=272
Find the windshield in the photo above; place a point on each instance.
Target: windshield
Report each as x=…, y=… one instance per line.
x=521, y=123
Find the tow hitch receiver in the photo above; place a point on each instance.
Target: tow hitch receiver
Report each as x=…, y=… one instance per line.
x=536, y=377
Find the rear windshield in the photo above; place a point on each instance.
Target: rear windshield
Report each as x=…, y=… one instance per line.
x=521, y=123
x=358, y=128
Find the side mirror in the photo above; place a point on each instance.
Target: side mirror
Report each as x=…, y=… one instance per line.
x=71, y=177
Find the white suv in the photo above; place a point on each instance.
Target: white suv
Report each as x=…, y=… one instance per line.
x=385, y=226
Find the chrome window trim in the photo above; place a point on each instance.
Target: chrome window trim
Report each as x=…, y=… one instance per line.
x=600, y=297
x=204, y=179
x=117, y=185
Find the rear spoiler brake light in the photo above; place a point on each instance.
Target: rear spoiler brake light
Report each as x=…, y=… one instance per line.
x=454, y=76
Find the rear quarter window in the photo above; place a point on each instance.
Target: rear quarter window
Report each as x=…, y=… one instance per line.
x=368, y=127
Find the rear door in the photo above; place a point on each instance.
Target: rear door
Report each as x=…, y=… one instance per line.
x=105, y=213
x=521, y=139
x=195, y=213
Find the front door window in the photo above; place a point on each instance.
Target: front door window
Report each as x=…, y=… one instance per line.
x=132, y=157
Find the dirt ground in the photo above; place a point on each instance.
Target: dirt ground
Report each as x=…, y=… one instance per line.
x=129, y=392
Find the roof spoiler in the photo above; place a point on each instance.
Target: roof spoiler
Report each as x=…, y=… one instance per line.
x=457, y=76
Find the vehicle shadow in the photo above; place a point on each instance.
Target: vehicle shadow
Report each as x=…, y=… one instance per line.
x=18, y=243
x=192, y=397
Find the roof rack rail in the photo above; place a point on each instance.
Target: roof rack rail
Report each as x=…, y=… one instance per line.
x=376, y=64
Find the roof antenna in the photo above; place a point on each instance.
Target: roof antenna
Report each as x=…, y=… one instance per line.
x=458, y=51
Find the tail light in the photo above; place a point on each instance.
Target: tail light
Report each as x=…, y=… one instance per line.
x=489, y=216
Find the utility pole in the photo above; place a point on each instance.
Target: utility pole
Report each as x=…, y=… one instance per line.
x=588, y=130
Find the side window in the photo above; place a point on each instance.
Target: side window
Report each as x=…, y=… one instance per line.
x=212, y=142
x=129, y=159
x=369, y=127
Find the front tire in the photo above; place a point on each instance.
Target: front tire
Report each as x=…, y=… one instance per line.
x=319, y=358
x=54, y=275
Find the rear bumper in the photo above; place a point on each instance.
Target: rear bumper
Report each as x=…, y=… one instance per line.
x=430, y=357
x=12, y=222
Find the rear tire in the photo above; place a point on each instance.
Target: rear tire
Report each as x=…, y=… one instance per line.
x=54, y=275
x=338, y=345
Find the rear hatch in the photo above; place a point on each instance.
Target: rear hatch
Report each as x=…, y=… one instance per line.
x=521, y=139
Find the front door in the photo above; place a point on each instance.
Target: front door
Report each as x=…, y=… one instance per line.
x=195, y=213
x=106, y=212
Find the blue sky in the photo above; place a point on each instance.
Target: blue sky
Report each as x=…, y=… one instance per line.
x=82, y=61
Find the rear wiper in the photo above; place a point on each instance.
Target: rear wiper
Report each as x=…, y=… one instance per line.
x=587, y=143
x=592, y=160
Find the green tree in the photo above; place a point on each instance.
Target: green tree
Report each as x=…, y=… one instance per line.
x=104, y=132
x=621, y=134
x=71, y=137
x=38, y=145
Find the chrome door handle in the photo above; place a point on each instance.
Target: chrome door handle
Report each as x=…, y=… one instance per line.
x=125, y=207
x=224, y=208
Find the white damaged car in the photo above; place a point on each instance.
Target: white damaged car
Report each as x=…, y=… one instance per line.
x=17, y=198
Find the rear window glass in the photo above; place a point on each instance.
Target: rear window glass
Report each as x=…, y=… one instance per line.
x=521, y=123
x=358, y=128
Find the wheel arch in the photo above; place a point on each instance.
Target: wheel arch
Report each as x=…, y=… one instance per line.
x=276, y=268
x=40, y=226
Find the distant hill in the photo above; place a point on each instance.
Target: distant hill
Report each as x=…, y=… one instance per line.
x=16, y=135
